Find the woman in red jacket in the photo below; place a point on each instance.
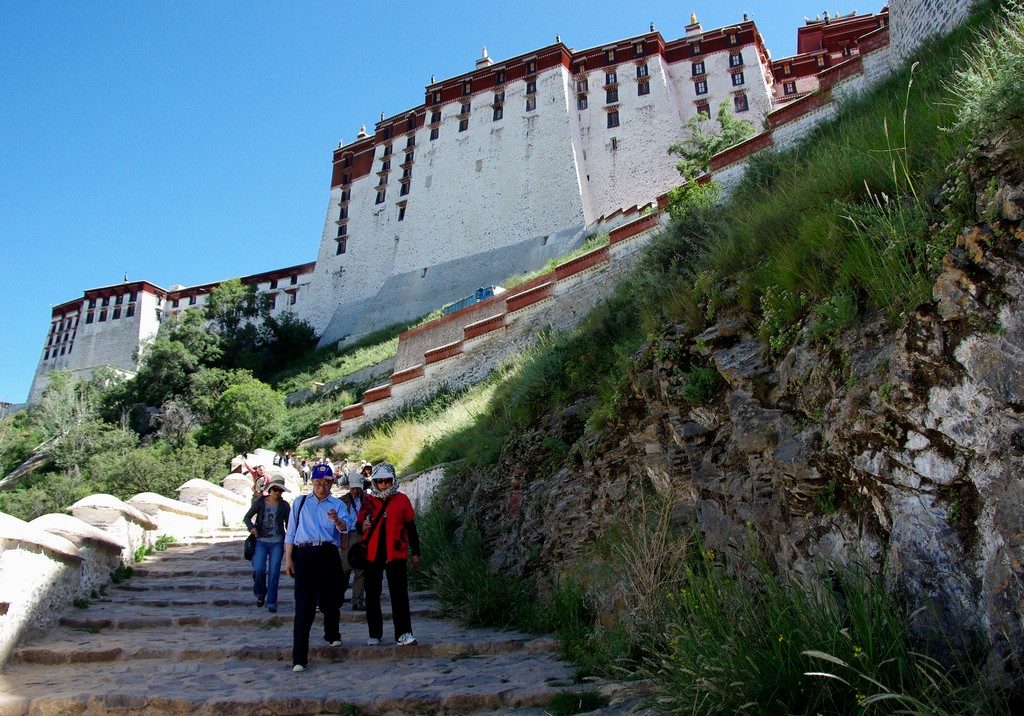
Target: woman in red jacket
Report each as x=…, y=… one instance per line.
x=389, y=546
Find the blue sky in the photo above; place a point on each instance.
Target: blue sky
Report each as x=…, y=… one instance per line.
x=185, y=142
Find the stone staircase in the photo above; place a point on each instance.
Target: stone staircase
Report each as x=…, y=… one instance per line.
x=183, y=635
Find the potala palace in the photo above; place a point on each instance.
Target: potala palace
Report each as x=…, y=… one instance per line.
x=498, y=170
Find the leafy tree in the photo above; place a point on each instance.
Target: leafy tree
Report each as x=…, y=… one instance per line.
x=18, y=437
x=207, y=385
x=246, y=416
x=230, y=306
x=67, y=402
x=285, y=338
x=700, y=145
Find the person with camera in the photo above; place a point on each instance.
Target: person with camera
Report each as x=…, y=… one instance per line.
x=388, y=528
x=311, y=556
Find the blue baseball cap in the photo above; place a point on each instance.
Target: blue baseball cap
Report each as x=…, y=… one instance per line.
x=322, y=472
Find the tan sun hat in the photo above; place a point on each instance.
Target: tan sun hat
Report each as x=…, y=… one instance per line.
x=277, y=481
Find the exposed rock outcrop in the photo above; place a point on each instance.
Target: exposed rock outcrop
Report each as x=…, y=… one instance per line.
x=900, y=447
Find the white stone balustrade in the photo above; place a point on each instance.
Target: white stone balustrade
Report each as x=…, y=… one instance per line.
x=131, y=526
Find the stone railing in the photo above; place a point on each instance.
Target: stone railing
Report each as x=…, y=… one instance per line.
x=463, y=347
x=49, y=563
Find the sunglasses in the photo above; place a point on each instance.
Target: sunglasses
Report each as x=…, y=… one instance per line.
x=383, y=479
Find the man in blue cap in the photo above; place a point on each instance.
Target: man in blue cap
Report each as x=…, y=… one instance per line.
x=311, y=556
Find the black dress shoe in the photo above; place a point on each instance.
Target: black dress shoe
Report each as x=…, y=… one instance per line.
x=260, y=601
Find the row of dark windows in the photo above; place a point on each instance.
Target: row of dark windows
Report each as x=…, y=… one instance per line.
x=132, y=297
x=699, y=68
x=697, y=47
x=115, y=314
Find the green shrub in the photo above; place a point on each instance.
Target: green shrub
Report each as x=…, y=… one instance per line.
x=245, y=417
x=576, y=702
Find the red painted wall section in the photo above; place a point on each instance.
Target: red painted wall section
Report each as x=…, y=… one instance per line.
x=582, y=263
x=534, y=295
x=827, y=79
x=442, y=352
x=406, y=375
x=636, y=227
x=485, y=326
x=353, y=411
x=741, y=150
x=798, y=108
x=378, y=393
x=329, y=428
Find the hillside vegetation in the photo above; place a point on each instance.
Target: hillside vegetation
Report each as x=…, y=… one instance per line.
x=845, y=232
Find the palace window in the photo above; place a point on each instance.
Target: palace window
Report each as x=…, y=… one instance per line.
x=821, y=60
x=465, y=108
x=88, y=317
x=273, y=284
x=613, y=119
x=641, y=70
x=498, y=112
x=118, y=300
x=499, y=77
x=740, y=103
x=437, y=97
x=499, y=97
x=293, y=280
x=343, y=230
x=615, y=143
x=643, y=88
x=467, y=88
x=531, y=87
x=582, y=85
x=695, y=49
x=410, y=141
x=464, y=124
x=846, y=51
x=704, y=110
x=407, y=172
x=133, y=296
x=130, y=311
x=581, y=102
x=701, y=87
x=434, y=133
x=410, y=123
x=272, y=301
x=106, y=301
x=736, y=59
x=638, y=49
x=609, y=55
x=789, y=87
x=409, y=156
x=174, y=303
x=192, y=299
x=698, y=68
x=737, y=79
x=385, y=166
x=345, y=178
x=342, y=243
x=611, y=78
x=787, y=69
x=292, y=298
x=387, y=151
x=435, y=116
x=611, y=95
x=733, y=39
x=343, y=214
x=381, y=195
x=401, y=211
x=92, y=303
x=116, y=313
x=531, y=104
x=103, y=315
x=531, y=67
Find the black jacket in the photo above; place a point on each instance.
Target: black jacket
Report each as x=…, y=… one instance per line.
x=256, y=510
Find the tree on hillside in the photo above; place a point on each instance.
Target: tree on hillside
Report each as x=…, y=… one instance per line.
x=286, y=338
x=245, y=417
x=230, y=306
x=700, y=145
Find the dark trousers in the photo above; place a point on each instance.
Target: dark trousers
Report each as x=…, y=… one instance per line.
x=317, y=581
x=398, y=587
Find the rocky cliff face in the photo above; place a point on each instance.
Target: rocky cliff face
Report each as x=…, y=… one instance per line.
x=901, y=447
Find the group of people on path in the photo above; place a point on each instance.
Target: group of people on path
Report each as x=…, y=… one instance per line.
x=313, y=538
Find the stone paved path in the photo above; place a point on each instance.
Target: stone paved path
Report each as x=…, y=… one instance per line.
x=183, y=635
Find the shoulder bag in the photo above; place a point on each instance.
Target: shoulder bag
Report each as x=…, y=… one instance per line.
x=357, y=556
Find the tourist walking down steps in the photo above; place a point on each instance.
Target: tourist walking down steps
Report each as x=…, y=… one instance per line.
x=388, y=527
x=311, y=557
x=271, y=513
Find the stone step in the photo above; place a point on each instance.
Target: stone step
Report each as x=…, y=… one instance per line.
x=208, y=616
x=407, y=686
x=271, y=642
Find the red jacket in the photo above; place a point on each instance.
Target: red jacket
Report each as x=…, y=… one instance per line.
x=399, y=514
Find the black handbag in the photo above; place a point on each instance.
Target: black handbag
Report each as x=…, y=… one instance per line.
x=249, y=548
x=357, y=556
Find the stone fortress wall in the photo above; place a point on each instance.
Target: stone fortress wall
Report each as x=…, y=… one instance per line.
x=524, y=183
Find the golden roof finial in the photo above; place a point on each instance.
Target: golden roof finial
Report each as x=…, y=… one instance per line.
x=693, y=18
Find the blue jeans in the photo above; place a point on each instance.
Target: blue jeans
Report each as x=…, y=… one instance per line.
x=264, y=584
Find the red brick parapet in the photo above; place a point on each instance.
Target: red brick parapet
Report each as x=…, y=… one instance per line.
x=639, y=226
x=581, y=263
x=379, y=393
x=408, y=374
x=534, y=295
x=329, y=428
x=487, y=325
x=353, y=411
x=442, y=352
x=742, y=150
x=874, y=40
x=798, y=108
x=827, y=79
